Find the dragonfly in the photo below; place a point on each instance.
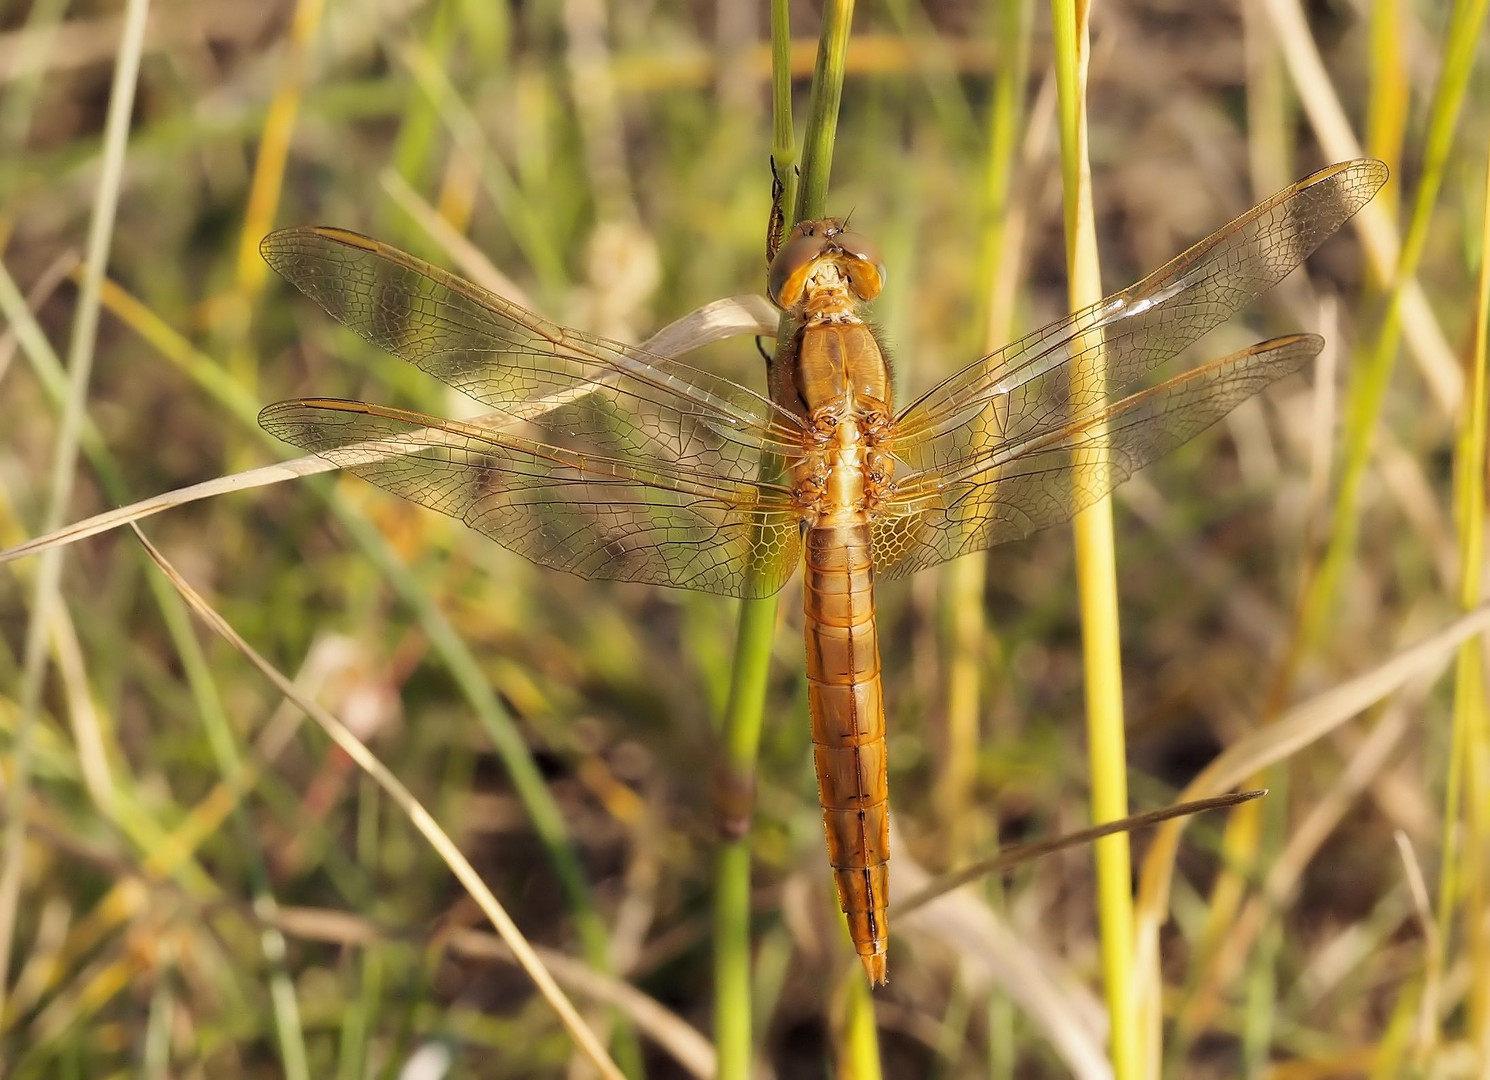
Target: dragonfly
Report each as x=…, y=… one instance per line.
x=611, y=462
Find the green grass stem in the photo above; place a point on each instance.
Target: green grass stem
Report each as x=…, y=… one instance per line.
x=126, y=811
x=79, y=366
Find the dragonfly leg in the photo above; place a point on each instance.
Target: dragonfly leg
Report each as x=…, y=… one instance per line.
x=776, y=226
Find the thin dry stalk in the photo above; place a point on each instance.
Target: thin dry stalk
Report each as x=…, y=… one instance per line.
x=417, y=815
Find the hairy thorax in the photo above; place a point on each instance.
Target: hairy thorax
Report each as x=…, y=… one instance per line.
x=842, y=384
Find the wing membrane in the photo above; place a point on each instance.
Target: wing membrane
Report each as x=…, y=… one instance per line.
x=607, y=461
x=1007, y=492
x=522, y=364
x=1038, y=384
x=548, y=495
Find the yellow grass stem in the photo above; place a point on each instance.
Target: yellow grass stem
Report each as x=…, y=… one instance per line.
x=1377, y=231
x=48, y=594
x=1363, y=403
x=1463, y=880
x=859, y=1048
x=1386, y=113
x=1368, y=388
x=1096, y=570
x=1000, y=250
x=264, y=190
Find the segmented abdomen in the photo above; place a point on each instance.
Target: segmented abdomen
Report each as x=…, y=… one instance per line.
x=848, y=729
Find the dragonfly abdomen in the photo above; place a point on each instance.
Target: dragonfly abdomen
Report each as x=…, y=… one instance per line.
x=848, y=729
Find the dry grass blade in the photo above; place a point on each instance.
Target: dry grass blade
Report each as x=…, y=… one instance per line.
x=1023, y=853
x=48, y=589
x=681, y=1039
x=418, y=816
x=1423, y=907
x=670, y=1031
x=1044, y=989
x=126, y=515
x=713, y=322
x=1291, y=732
x=471, y=260
x=1378, y=235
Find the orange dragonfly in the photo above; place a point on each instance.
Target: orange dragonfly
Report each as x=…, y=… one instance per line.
x=609, y=461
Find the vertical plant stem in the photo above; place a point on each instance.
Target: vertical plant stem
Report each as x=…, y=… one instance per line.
x=965, y=578
x=228, y=756
x=744, y=713
x=268, y=181
x=1096, y=568
x=822, y=109
x=1469, y=766
x=1368, y=389
x=741, y=740
x=783, y=140
x=1386, y=114
x=80, y=367
x=859, y=1058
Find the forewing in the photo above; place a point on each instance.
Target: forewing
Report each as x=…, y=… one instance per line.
x=646, y=405
x=1008, y=492
x=1043, y=382
x=552, y=496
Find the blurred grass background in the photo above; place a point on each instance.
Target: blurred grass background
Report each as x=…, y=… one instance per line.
x=210, y=888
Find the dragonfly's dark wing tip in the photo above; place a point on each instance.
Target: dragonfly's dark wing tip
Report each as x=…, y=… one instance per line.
x=1305, y=344
x=271, y=415
x=1363, y=177
x=281, y=248
x=285, y=420
x=1373, y=170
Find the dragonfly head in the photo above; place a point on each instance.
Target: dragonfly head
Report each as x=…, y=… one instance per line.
x=821, y=253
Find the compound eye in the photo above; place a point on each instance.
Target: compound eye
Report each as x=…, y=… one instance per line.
x=788, y=274
x=865, y=265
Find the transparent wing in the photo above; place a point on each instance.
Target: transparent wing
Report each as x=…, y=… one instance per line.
x=545, y=492
x=1008, y=491
x=639, y=404
x=1039, y=384
x=608, y=461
